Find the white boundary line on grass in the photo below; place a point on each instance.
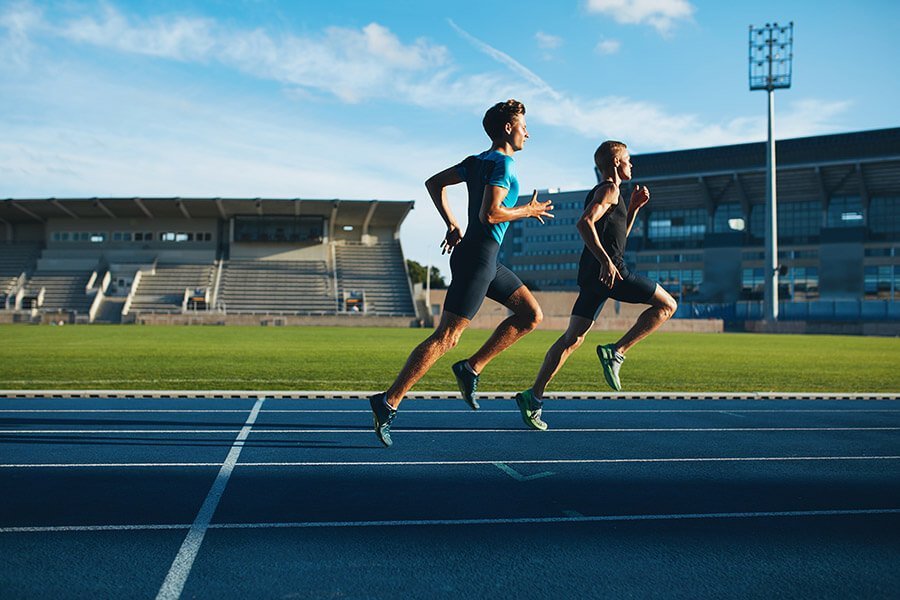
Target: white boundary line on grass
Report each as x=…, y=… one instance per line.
x=458, y=522
x=184, y=560
x=367, y=430
x=443, y=463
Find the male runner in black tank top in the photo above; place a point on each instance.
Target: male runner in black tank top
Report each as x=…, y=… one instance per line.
x=602, y=274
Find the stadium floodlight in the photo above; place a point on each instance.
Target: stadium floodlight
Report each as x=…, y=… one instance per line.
x=771, y=56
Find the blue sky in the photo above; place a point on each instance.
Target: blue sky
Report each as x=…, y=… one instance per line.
x=366, y=99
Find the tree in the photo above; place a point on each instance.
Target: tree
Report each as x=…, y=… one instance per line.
x=417, y=274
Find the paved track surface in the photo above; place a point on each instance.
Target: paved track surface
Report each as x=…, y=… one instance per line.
x=295, y=498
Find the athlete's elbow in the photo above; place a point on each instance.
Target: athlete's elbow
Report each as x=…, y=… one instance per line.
x=487, y=218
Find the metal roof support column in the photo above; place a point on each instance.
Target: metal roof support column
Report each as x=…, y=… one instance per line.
x=365, y=226
x=333, y=219
x=864, y=196
x=103, y=207
x=26, y=211
x=143, y=207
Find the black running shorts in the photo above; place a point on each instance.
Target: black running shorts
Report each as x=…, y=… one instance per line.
x=632, y=288
x=476, y=274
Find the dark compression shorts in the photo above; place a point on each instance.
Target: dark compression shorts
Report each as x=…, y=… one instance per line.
x=632, y=288
x=476, y=274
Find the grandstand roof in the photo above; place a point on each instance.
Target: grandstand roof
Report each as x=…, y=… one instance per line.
x=378, y=212
x=861, y=146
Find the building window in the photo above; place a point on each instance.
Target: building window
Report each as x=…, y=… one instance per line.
x=881, y=282
x=308, y=230
x=799, y=220
x=725, y=219
x=752, y=284
x=802, y=283
x=884, y=217
x=667, y=226
x=845, y=211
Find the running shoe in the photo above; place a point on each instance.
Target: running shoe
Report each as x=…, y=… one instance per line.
x=611, y=361
x=530, y=407
x=384, y=416
x=467, y=382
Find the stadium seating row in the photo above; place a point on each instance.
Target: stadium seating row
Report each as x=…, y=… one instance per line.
x=375, y=274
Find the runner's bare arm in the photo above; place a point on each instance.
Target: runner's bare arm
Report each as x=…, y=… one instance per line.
x=437, y=186
x=493, y=211
x=604, y=198
x=639, y=197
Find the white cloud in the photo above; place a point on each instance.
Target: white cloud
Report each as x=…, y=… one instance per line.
x=649, y=125
x=547, y=41
x=660, y=14
x=505, y=59
x=607, y=46
x=352, y=64
x=15, y=46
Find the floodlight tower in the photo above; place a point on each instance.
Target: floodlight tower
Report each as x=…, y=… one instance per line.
x=771, y=53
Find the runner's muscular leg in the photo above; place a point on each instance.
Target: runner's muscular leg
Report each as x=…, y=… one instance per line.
x=662, y=307
x=526, y=316
x=423, y=356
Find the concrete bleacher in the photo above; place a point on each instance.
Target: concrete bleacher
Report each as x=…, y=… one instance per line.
x=63, y=290
x=277, y=286
x=15, y=259
x=379, y=271
x=163, y=291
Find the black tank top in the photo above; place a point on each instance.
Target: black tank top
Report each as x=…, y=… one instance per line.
x=611, y=229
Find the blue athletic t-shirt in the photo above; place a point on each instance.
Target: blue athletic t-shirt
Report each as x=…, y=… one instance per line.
x=488, y=168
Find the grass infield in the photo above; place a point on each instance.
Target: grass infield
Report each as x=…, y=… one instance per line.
x=323, y=358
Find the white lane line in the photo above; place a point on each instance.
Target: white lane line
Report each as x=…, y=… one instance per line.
x=67, y=528
x=127, y=410
x=429, y=463
x=368, y=430
x=518, y=476
x=571, y=517
x=184, y=560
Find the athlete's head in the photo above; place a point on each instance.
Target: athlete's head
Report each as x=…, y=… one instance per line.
x=505, y=121
x=613, y=156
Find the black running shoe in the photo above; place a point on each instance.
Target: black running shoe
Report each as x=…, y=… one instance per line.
x=467, y=382
x=383, y=415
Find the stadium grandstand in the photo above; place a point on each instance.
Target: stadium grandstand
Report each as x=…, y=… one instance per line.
x=204, y=260
x=702, y=233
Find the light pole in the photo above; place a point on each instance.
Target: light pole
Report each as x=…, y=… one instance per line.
x=771, y=53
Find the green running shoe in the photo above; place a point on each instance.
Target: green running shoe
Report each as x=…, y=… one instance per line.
x=611, y=361
x=530, y=408
x=467, y=382
x=384, y=416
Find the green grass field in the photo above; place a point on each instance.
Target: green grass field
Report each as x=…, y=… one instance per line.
x=319, y=358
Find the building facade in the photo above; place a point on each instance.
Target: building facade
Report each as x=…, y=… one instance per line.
x=702, y=233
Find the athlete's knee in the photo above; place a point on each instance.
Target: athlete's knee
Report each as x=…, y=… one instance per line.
x=573, y=342
x=534, y=317
x=668, y=306
x=448, y=338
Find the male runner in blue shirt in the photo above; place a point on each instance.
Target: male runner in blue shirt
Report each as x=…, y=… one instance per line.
x=493, y=188
x=603, y=274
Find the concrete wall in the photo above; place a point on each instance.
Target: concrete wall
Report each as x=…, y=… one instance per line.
x=557, y=308
x=263, y=251
x=213, y=318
